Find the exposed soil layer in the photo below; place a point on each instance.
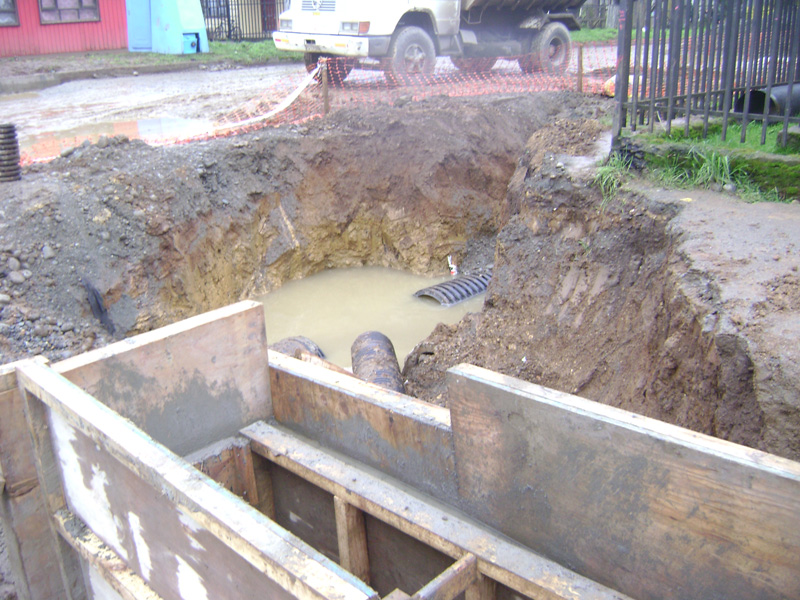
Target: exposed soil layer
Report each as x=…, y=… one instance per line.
x=684, y=311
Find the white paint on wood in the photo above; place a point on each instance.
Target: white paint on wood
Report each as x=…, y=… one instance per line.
x=294, y=518
x=142, y=549
x=89, y=502
x=100, y=588
x=189, y=523
x=190, y=584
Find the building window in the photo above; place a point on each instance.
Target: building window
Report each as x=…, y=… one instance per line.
x=68, y=11
x=8, y=13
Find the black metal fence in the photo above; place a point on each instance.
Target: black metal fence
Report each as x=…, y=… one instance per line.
x=732, y=60
x=239, y=20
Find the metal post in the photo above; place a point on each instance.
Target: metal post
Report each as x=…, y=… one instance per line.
x=623, y=69
x=580, y=69
x=326, y=103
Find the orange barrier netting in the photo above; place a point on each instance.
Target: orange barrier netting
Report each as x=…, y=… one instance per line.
x=300, y=96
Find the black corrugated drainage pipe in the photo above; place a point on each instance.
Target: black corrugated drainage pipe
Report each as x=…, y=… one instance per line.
x=458, y=289
x=779, y=99
x=374, y=360
x=298, y=343
x=9, y=153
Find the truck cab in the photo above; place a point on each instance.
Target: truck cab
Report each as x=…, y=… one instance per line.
x=404, y=37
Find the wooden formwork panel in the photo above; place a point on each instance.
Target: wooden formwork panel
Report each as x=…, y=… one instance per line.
x=188, y=384
x=654, y=510
x=404, y=437
x=184, y=535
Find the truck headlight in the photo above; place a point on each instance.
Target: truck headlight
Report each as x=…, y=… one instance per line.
x=286, y=25
x=359, y=28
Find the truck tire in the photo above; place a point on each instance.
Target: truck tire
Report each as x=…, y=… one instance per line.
x=412, y=57
x=473, y=65
x=338, y=68
x=551, y=50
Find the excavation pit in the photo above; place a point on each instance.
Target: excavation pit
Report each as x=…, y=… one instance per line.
x=605, y=301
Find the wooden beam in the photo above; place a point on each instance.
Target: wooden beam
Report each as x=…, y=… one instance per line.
x=243, y=459
x=182, y=503
x=655, y=510
x=483, y=589
x=36, y=415
x=352, y=538
x=29, y=538
x=110, y=566
x=458, y=578
x=406, y=438
x=423, y=518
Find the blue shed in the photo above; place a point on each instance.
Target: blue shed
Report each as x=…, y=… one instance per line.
x=166, y=26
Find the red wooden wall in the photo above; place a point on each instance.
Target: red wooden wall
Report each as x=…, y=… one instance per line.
x=31, y=37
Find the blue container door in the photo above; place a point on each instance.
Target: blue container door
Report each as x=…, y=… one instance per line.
x=140, y=34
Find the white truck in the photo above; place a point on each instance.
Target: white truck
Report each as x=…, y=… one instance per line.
x=404, y=37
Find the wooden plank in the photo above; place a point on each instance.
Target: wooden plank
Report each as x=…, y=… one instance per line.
x=422, y=517
x=47, y=469
x=171, y=380
x=402, y=436
x=454, y=581
x=181, y=532
x=127, y=584
x=243, y=461
x=483, y=589
x=352, y=537
x=264, y=491
x=651, y=509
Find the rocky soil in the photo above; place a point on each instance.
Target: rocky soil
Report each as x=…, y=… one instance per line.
x=678, y=305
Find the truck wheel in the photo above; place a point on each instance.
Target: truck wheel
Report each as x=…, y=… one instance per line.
x=412, y=56
x=338, y=68
x=473, y=65
x=551, y=50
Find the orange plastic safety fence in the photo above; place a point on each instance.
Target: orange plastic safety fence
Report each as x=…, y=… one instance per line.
x=299, y=96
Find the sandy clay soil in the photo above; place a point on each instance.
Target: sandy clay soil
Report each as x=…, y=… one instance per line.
x=681, y=305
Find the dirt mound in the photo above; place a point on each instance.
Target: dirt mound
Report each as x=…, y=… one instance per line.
x=650, y=303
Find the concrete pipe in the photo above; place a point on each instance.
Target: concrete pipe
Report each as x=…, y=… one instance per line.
x=779, y=99
x=375, y=361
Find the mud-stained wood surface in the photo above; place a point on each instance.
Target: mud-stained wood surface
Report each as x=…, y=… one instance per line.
x=102, y=562
x=186, y=385
x=29, y=539
x=405, y=438
x=423, y=518
x=650, y=509
x=183, y=534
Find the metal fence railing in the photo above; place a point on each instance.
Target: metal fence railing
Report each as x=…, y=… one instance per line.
x=240, y=20
x=734, y=60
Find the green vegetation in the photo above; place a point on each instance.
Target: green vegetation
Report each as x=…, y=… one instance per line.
x=707, y=168
x=610, y=176
x=252, y=53
x=732, y=137
x=759, y=173
x=593, y=35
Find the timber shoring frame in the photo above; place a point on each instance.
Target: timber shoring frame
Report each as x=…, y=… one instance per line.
x=637, y=505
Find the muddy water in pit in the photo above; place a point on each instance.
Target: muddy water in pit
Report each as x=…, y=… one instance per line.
x=333, y=307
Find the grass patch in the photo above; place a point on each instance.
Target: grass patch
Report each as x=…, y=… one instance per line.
x=252, y=53
x=610, y=176
x=584, y=36
x=732, y=138
x=702, y=167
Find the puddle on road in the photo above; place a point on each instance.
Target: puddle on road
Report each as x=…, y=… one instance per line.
x=333, y=307
x=52, y=143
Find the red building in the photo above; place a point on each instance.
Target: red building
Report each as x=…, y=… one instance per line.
x=49, y=26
